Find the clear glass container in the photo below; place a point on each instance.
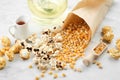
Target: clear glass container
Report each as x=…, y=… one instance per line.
x=47, y=10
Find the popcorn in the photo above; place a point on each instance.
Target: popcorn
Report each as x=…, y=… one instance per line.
x=2, y=62
x=114, y=53
x=107, y=34
x=24, y=54
x=10, y=55
x=106, y=29
x=5, y=41
x=3, y=50
x=108, y=37
x=58, y=37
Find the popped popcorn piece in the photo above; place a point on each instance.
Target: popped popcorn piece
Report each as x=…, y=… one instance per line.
x=24, y=54
x=118, y=44
x=31, y=38
x=16, y=48
x=2, y=63
x=58, y=46
x=36, y=60
x=3, y=50
x=5, y=41
x=10, y=55
x=106, y=29
x=114, y=53
x=108, y=37
x=58, y=37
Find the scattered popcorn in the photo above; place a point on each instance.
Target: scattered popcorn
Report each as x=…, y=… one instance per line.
x=107, y=34
x=3, y=50
x=16, y=48
x=108, y=37
x=24, y=54
x=106, y=29
x=5, y=41
x=2, y=62
x=10, y=55
x=114, y=53
x=58, y=37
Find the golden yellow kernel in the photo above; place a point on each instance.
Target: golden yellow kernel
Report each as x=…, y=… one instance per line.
x=43, y=71
x=53, y=68
x=50, y=72
x=72, y=66
x=98, y=63
x=42, y=75
x=37, y=78
x=79, y=70
x=94, y=62
x=55, y=76
x=64, y=75
x=30, y=66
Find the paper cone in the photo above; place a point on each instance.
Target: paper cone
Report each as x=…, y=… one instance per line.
x=92, y=15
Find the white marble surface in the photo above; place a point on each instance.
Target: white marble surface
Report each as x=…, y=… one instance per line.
x=18, y=69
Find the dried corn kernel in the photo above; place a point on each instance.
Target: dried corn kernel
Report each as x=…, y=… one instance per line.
x=79, y=70
x=72, y=66
x=5, y=41
x=50, y=73
x=2, y=62
x=37, y=78
x=42, y=75
x=63, y=75
x=30, y=66
x=55, y=76
x=43, y=71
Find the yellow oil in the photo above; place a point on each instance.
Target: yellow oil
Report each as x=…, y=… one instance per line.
x=47, y=9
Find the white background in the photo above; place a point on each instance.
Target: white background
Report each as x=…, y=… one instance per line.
x=18, y=69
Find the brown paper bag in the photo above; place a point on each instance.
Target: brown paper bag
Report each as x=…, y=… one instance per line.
x=90, y=11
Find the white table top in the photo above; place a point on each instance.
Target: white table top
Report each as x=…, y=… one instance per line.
x=18, y=69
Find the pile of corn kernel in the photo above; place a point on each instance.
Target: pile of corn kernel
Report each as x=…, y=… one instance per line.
x=75, y=39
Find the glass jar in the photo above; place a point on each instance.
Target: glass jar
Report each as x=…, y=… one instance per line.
x=47, y=9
